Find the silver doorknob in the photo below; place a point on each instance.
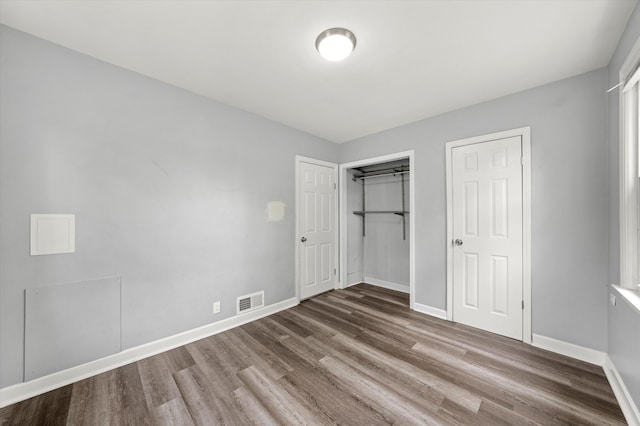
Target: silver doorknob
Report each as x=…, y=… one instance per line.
x=458, y=242
x=303, y=239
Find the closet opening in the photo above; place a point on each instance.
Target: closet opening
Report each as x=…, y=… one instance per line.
x=376, y=224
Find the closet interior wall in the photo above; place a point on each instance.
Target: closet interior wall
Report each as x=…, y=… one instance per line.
x=381, y=256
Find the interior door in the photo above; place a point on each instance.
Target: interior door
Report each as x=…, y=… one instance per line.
x=488, y=236
x=316, y=227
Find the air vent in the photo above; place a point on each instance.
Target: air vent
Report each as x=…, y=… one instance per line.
x=250, y=302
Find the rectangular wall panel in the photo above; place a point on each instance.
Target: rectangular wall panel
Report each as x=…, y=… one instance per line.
x=325, y=212
x=325, y=179
x=70, y=324
x=310, y=212
x=500, y=284
x=325, y=262
x=499, y=159
x=310, y=261
x=310, y=177
x=53, y=233
x=471, y=162
x=470, y=209
x=499, y=208
x=470, y=280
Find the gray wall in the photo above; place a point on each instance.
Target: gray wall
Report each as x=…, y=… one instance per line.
x=169, y=191
x=382, y=254
x=386, y=254
x=569, y=198
x=624, y=322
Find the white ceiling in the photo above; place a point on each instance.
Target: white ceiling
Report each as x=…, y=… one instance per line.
x=413, y=59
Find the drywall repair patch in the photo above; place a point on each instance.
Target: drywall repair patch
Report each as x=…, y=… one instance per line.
x=275, y=211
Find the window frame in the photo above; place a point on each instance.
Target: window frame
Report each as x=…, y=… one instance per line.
x=629, y=77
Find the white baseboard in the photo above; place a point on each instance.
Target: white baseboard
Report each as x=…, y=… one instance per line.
x=569, y=349
x=628, y=407
x=354, y=278
x=352, y=284
x=430, y=310
x=404, y=288
x=21, y=391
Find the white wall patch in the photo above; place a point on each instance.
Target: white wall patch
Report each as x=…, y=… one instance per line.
x=276, y=211
x=53, y=233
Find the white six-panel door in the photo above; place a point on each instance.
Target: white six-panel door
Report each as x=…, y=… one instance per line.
x=488, y=236
x=316, y=227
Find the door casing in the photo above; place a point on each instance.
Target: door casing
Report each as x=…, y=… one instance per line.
x=525, y=134
x=412, y=208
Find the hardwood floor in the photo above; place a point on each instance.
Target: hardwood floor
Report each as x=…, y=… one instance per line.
x=355, y=356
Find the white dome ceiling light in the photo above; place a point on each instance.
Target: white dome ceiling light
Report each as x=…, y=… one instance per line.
x=335, y=44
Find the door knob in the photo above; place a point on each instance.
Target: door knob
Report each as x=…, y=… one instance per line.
x=458, y=242
x=303, y=239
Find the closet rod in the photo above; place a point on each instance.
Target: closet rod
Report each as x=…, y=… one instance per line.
x=383, y=174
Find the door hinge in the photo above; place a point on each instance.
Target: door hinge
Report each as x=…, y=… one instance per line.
x=334, y=186
x=334, y=271
x=523, y=305
x=522, y=161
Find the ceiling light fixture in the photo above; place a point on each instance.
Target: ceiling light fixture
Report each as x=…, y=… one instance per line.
x=335, y=44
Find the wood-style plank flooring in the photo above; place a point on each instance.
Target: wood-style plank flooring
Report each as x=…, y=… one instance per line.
x=357, y=356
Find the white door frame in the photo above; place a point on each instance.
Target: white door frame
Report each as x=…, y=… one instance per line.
x=412, y=209
x=334, y=166
x=525, y=134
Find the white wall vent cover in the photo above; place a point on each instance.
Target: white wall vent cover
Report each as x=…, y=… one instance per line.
x=250, y=302
x=53, y=233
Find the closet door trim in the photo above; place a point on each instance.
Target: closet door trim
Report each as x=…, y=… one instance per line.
x=344, y=212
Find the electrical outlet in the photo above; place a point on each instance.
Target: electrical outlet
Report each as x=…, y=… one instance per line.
x=216, y=307
x=612, y=299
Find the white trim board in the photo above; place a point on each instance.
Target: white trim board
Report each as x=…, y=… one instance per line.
x=412, y=216
x=430, y=310
x=525, y=134
x=569, y=349
x=628, y=407
x=21, y=391
x=403, y=288
x=632, y=297
x=352, y=284
x=628, y=171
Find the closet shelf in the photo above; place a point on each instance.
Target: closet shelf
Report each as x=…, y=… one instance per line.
x=398, y=212
x=402, y=212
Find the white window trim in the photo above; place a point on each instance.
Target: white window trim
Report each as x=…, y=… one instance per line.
x=629, y=171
